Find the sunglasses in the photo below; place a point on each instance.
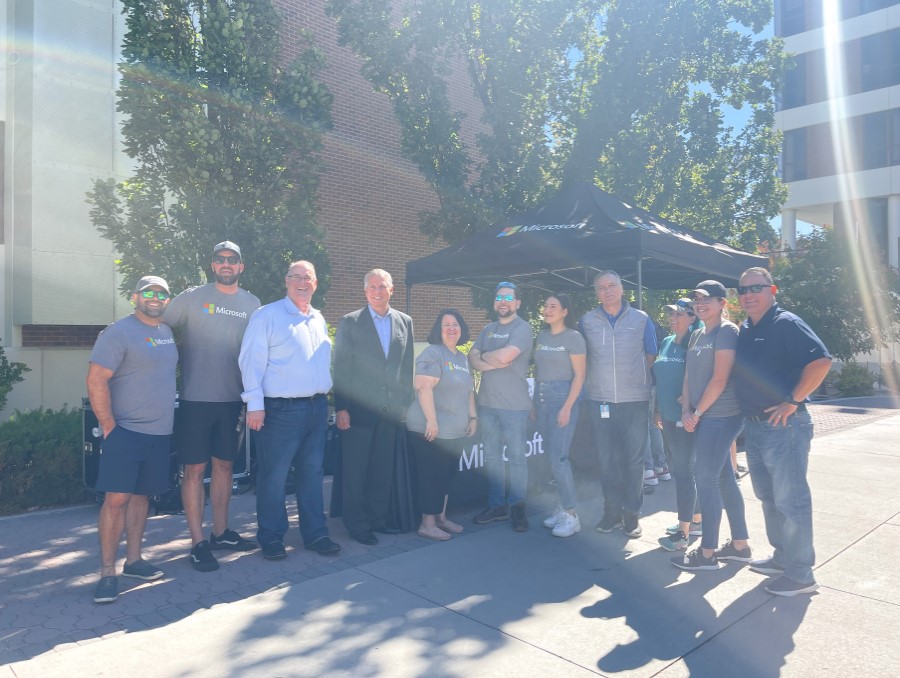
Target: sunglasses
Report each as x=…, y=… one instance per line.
x=505, y=297
x=232, y=259
x=159, y=294
x=756, y=289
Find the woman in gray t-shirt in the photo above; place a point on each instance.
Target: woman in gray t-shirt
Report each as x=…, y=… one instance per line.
x=710, y=409
x=442, y=413
x=559, y=364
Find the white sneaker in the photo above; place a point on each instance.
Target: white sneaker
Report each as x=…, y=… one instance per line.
x=650, y=477
x=567, y=525
x=663, y=473
x=551, y=520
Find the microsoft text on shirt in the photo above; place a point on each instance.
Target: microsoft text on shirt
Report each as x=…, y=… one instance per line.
x=499, y=336
x=212, y=309
x=541, y=347
x=158, y=342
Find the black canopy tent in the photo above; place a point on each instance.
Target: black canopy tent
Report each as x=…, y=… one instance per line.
x=581, y=230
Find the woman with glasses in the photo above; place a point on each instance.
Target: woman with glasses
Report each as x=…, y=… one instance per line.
x=442, y=413
x=560, y=363
x=710, y=409
x=668, y=369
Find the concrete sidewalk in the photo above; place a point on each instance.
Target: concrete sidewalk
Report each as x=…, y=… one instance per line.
x=490, y=602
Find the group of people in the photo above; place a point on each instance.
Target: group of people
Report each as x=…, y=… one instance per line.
x=275, y=362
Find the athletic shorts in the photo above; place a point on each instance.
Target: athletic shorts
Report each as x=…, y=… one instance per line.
x=204, y=430
x=134, y=463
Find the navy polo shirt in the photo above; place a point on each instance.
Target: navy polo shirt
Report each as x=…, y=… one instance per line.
x=770, y=357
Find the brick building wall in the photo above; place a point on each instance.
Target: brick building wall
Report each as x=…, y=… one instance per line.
x=370, y=197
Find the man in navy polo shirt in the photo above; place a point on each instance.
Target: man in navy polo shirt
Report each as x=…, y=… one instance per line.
x=778, y=363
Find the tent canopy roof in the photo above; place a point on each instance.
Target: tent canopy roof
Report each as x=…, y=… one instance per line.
x=581, y=230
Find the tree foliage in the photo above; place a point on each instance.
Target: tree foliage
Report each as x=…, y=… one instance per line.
x=11, y=373
x=628, y=94
x=226, y=143
x=853, y=307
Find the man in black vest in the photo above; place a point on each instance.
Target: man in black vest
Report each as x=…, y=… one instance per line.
x=373, y=375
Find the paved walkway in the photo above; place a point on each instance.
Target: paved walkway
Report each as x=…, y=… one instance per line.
x=490, y=602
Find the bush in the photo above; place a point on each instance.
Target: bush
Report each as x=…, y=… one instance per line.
x=40, y=459
x=855, y=380
x=10, y=375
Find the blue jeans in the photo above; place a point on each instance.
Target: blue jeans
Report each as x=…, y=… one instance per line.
x=778, y=457
x=716, y=484
x=620, y=446
x=654, y=451
x=509, y=428
x=681, y=456
x=549, y=397
x=292, y=432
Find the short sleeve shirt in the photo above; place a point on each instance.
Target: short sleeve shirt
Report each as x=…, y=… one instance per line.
x=210, y=326
x=553, y=354
x=451, y=393
x=506, y=388
x=771, y=356
x=700, y=364
x=669, y=372
x=142, y=387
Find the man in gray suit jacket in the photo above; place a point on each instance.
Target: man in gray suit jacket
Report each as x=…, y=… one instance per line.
x=373, y=375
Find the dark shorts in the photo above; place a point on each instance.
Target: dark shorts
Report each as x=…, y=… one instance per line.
x=204, y=430
x=134, y=463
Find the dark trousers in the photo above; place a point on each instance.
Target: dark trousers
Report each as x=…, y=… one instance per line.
x=367, y=455
x=620, y=444
x=436, y=463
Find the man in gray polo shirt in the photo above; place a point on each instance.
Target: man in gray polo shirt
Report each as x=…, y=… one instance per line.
x=131, y=385
x=502, y=352
x=209, y=322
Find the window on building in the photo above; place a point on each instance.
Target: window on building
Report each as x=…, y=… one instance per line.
x=895, y=136
x=794, y=91
x=2, y=179
x=873, y=133
x=794, y=157
x=877, y=226
x=793, y=17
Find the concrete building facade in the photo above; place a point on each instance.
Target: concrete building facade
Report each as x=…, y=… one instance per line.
x=60, y=131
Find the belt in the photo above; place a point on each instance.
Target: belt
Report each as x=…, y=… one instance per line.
x=299, y=399
x=801, y=409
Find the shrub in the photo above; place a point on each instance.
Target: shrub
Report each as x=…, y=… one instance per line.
x=10, y=375
x=855, y=380
x=40, y=459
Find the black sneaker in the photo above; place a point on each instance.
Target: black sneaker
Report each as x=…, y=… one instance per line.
x=107, y=590
x=274, y=551
x=695, y=561
x=494, y=513
x=766, y=566
x=141, y=569
x=730, y=552
x=324, y=547
x=202, y=558
x=609, y=523
x=231, y=541
x=519, y=520
x=631, y=526
x=785, y=586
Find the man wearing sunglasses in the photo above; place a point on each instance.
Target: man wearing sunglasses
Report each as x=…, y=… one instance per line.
x=209, y=322
x=502, y=352
x=779, y=361
x=131, y=386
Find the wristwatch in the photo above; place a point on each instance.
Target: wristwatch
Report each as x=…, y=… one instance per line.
x=793, y=402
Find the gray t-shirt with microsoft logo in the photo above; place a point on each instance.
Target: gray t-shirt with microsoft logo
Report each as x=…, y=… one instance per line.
x=506, y=388
x=142, y=387
x=210, y=325
x=552, y=354
x=451, y=393
x=700, y=364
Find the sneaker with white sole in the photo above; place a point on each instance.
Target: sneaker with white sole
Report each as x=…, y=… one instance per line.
x=551, y=520
x=696, y=529
x=650, y=477
x=141, y=569
x=673, y=542
x=567, y=525
x=696, y=561
x=663, y=473
x=766, y=566
x=785, y=586
x=631, y=526
x=202, y=559
x=231, y=541
x=730, y=552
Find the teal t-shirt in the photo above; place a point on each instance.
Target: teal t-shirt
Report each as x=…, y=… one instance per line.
x=669, y=372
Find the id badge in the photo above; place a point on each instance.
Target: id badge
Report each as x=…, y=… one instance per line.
x=604, y=411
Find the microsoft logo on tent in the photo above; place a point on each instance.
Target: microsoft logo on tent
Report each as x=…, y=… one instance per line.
x=509, y=230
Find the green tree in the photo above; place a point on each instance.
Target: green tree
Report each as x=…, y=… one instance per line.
x=853, y=308
x=628, y=94
x=226, y=140
x=10, y=375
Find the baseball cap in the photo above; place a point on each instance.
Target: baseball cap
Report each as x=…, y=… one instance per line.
x=682, y=304
x=712, y=288
x=150, y=281
x=228, y=245
x=509, y=285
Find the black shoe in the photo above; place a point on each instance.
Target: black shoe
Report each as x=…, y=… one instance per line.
x=107, y=590
x=631, y=526
x=517, y=516
x=274, y=551
x=141, y=569
x=324, y=547
x=202, y=558
x=385, y=529
x=609, y=523
x=231, y=541
x=489, y=515
x=366, y=538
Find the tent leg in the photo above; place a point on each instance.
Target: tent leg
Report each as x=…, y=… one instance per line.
x=408, y=291
x=640, y=289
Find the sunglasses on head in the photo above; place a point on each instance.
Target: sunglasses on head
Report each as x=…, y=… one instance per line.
x=159, y=294
x=505, y=297
x=232, y=259
x=756, y=289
